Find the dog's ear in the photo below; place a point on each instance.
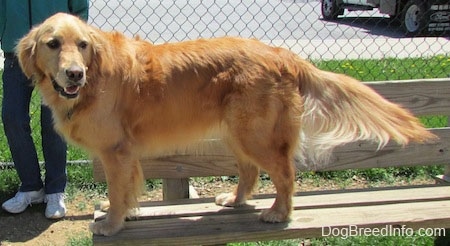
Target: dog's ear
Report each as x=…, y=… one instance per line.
x=25, y=50
x=102, y=62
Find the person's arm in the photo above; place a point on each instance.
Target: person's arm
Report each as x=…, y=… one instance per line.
x=79, y=8
x=2, y=18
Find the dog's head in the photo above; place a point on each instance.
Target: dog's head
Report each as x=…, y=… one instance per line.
x=60, y=51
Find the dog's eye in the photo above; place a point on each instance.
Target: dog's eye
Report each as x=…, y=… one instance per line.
x=53, y=44
x=83, y=45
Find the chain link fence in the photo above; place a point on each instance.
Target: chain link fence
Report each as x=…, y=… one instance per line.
x=294, y=24
x=297, y=25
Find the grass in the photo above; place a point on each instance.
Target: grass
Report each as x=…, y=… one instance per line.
x=390, y=68
x=352, y=241
x=79, y=240
x=81, y=180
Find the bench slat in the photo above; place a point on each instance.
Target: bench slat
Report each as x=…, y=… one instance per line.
x=421, y=96
x=360, y=155
x=302, y=200
x=412, y=207
x=215, y=159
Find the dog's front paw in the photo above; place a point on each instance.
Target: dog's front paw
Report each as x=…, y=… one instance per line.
x=274, y=216
x=105, y=228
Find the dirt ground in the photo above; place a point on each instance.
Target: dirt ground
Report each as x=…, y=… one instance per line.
x=32, y=228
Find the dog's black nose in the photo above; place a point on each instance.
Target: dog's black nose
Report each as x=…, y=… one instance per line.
x=75, y=73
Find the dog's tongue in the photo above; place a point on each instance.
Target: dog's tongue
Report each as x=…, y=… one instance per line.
x=71, y=89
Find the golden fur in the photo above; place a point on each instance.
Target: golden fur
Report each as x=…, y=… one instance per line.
x=123, y=98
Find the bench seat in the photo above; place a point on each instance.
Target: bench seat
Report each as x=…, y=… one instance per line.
x=201, y=222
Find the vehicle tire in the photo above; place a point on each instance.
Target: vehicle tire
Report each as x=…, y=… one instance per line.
x=331, y=9
x=413, y=17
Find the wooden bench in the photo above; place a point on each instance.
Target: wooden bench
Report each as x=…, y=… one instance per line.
x=181, y=221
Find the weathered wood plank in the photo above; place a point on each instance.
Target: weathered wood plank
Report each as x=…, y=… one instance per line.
x=363, y=154
x=218, y=160
x=303, y=200
x=184, y=165
x=422, y=211
x=421, y=96
x=201, y=230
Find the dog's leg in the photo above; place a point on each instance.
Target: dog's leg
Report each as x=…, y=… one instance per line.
x=275, y=156
x=282, y=176
x=281, y=171
x=124, y=179
x=248, y=175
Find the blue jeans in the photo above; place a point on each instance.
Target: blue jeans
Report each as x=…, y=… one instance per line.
x=17, y=90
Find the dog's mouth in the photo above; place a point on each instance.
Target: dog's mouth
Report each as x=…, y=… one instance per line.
x=69, y=92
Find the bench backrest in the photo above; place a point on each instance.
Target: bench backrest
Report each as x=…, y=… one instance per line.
x=426, y=97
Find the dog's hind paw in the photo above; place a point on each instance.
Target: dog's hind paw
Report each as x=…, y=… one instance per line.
x=105, y=228
x=104, y=206
x=228, y=200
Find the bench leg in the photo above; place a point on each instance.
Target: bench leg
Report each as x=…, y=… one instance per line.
x=174, y=189
x=445, y=178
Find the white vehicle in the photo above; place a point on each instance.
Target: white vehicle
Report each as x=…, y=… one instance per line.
x=415, y=16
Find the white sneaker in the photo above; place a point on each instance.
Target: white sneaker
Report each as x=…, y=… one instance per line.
x=22, y=200
x=56, y=208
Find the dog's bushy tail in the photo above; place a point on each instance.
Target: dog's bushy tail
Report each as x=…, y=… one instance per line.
x=339, y=109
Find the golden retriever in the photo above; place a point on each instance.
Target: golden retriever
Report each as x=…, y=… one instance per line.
x=122, y=98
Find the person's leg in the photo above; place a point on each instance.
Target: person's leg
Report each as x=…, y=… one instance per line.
x=17, y=92
x=54, y=150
